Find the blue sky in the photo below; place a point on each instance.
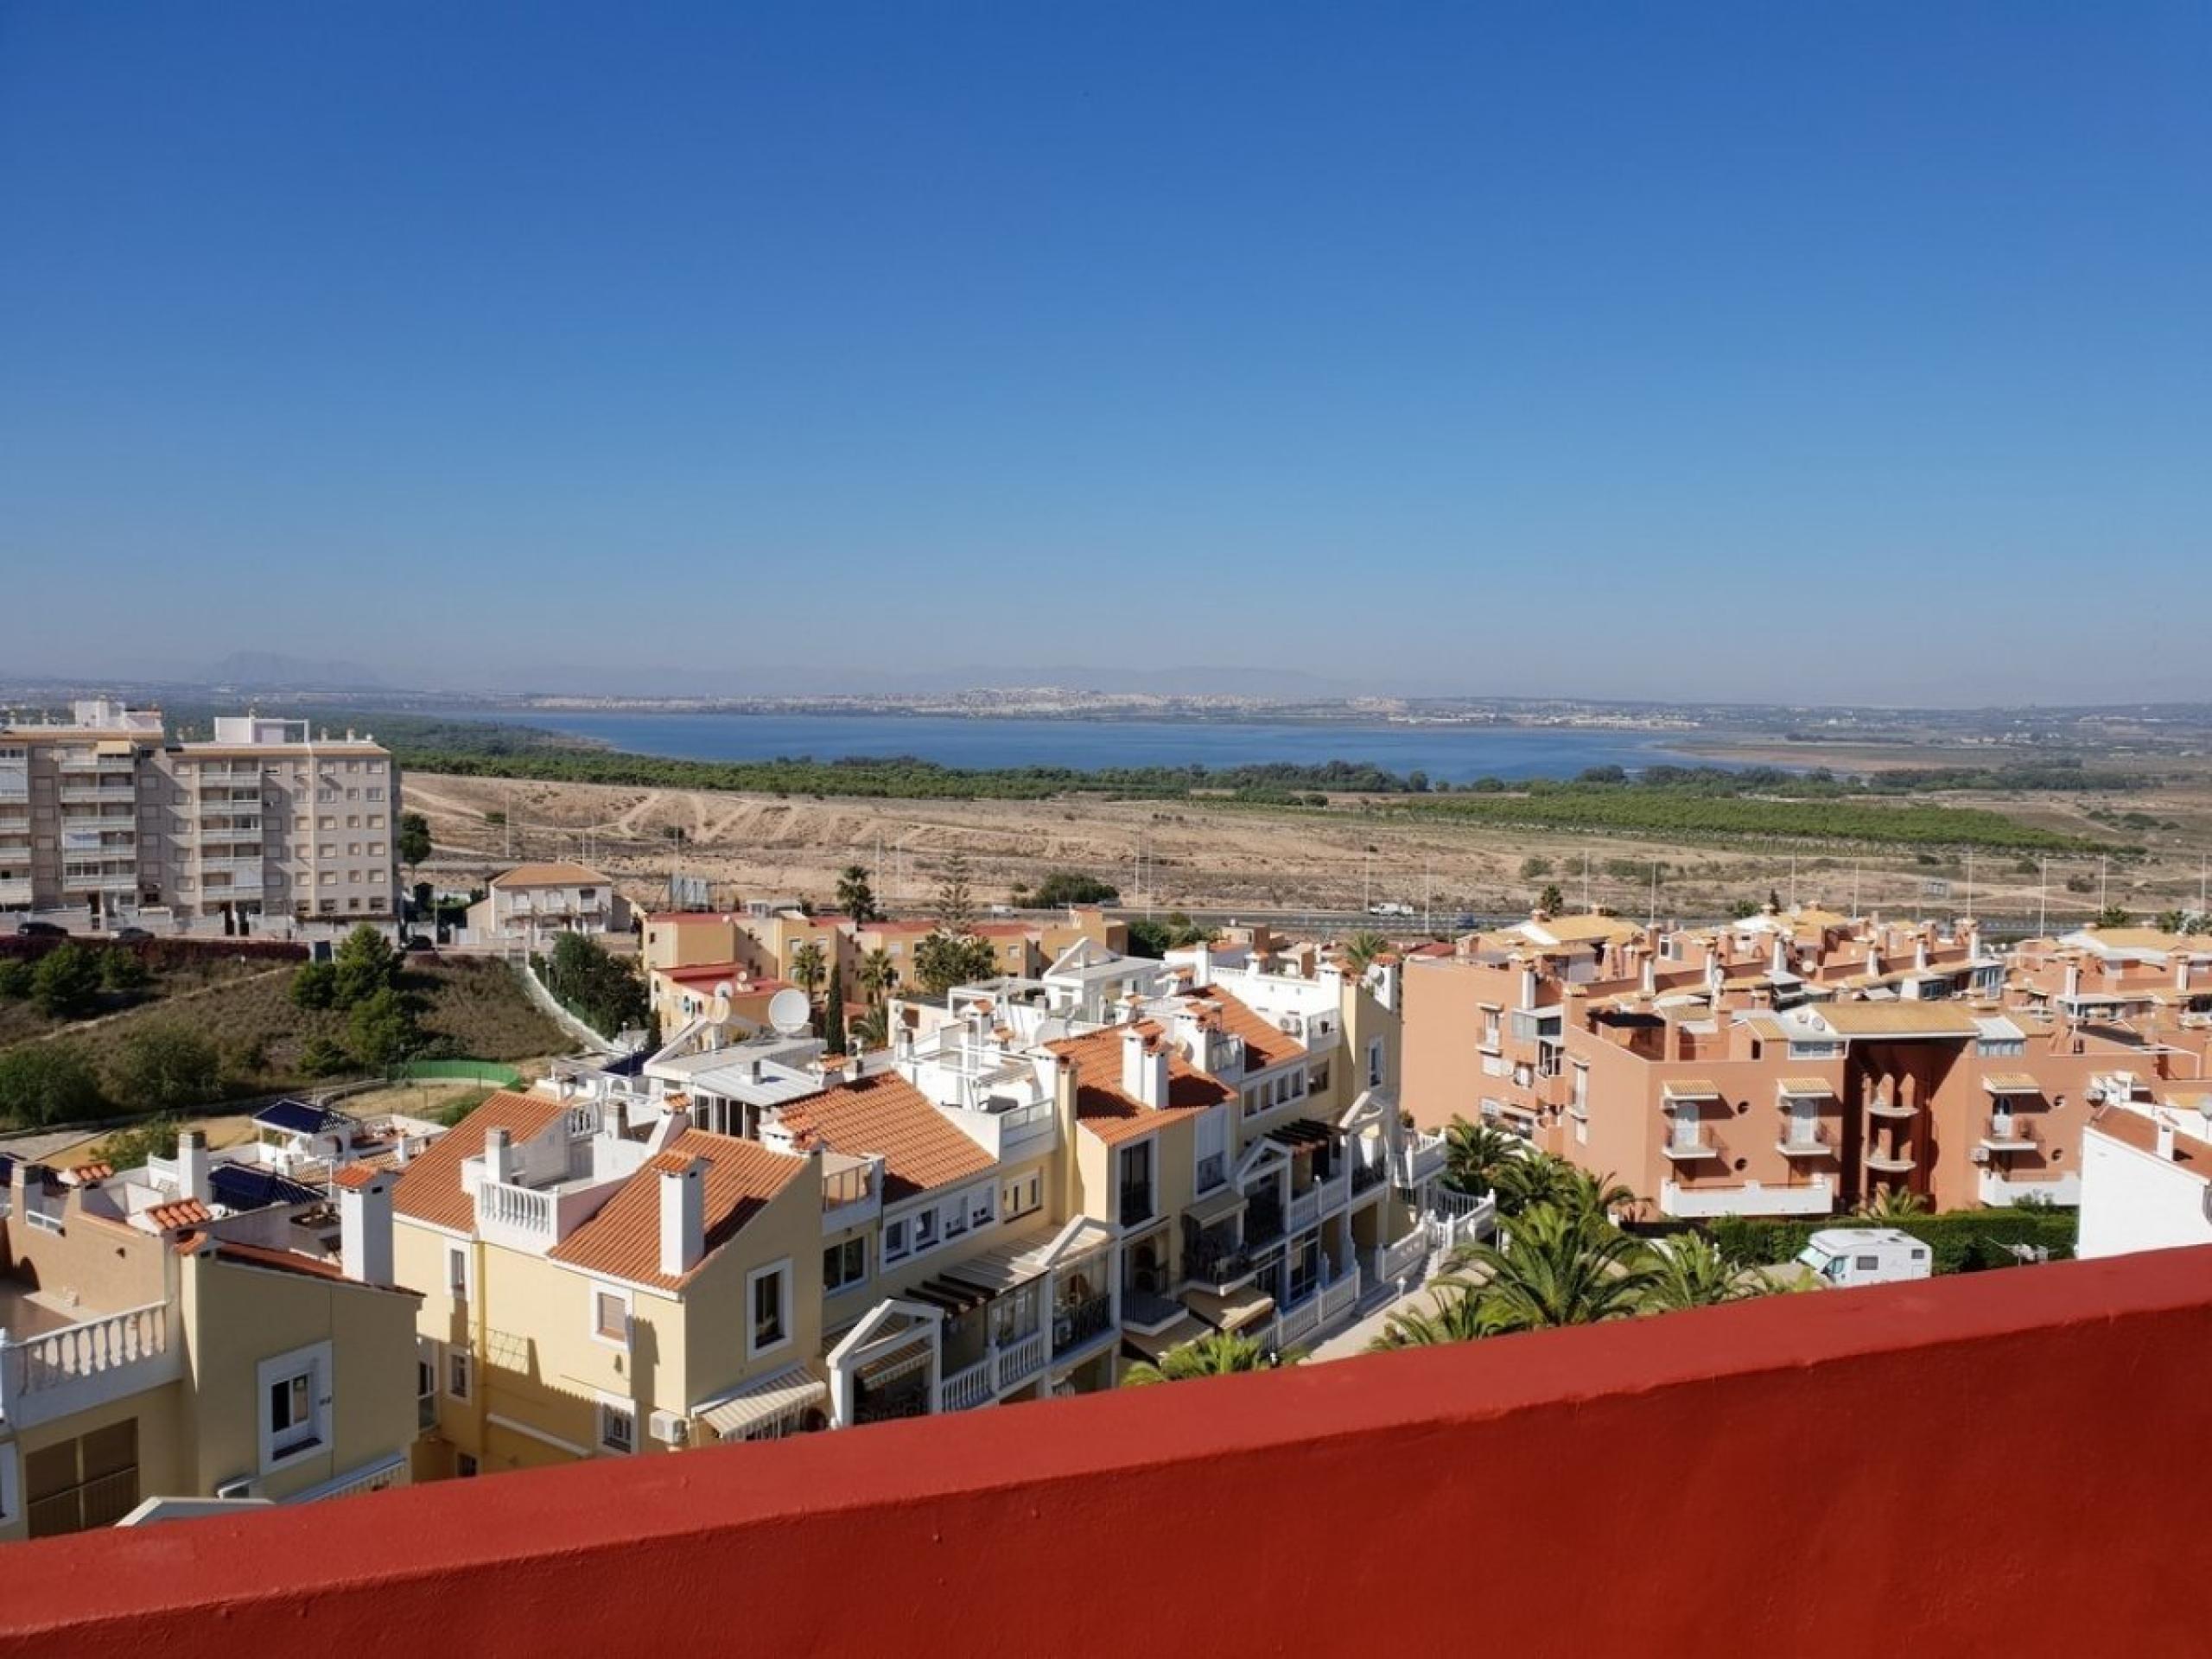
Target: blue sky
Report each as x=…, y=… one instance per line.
x=1821, y=351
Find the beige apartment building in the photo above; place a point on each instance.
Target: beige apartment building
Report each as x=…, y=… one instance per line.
x=532, y=904
x=267, y=819
x=1043, y=1178
x=199, y=1331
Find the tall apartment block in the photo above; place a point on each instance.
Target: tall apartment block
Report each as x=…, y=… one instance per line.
x=266, y=819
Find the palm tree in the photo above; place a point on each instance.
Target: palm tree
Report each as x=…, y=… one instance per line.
x=1690, y=1271
x=808, y=966
x=1362, y=949
x=1454, y=1314
x=1560, y=1266
x=879, y=974
x=1600, y=1196
x=854, y=896
x=1218, y=1353
x=1473, y=1154
x=873, y=1029
x=1534, y=1177
x=1894, y=1204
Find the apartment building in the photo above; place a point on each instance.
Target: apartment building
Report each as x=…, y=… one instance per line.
x=1794, y=1063
x=1041, y=1180
x=265, y=819
x=531, y=903
x=203, y=1329
x=2146, y=1168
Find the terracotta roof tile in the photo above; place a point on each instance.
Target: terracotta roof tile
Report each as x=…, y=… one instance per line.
x=668, y=1163
x=184, y=1212
x=1264, y=1045
x=1109, y=1114
x=354, y=1175
x=623, y=1239
x=550, y=875
x=431, y=1192
x=886, y=1116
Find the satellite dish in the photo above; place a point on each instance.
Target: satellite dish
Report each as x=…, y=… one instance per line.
x=790, y=1013
x=718, y=1010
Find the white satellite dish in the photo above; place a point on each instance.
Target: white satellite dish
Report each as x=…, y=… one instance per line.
x=790, y=1013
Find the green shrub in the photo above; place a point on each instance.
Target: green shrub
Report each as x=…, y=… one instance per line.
x=1959, y=1241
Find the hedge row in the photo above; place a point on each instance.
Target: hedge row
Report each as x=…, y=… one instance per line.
x=1962, y=1241
x=157, y=953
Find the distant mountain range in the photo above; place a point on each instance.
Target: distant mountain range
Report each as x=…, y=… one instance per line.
x=269, y=671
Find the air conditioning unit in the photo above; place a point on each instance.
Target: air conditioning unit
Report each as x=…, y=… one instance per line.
x=244, y=1486
x=671, y=1428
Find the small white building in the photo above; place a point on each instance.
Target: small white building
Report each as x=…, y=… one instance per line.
x=2146, y=1185
x=533, y=901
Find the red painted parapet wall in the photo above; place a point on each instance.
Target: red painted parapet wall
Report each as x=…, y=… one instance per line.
x=2004, y=1461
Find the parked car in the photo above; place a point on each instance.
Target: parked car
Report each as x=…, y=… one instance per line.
x=129, y=935
x=41, y=931
x=419, y=942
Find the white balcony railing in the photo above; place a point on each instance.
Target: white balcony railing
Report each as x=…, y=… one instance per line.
x=1020, y=1360
x=1419, y=1159
x=1303, y=1210
x=525, y=1215
x=15, y=892
x=1335, y=1192
x=1337, y=1299
x=964, y=1390
x=1815, y=1198
x=1403, y=1259
x=85, y=1364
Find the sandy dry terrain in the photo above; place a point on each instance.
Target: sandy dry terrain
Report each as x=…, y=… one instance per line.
x=1223, y=857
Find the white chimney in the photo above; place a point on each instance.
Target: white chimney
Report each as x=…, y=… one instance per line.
x=2073, y=979
x=1202, y=965
x=2165, y=1136
x=1144, y=1068
x=364, y=1222
x=499, y=1155
x=1650, y=982
x=1920, y=954
x=1779, y=959
x=192, y=1166
x=2181, y=973
x=683, y=1212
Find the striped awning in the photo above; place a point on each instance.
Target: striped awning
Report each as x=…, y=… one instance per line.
x=1155, y=1344
x=787, y=1393
x=1805, y=1089
x=1232, y=1311
x=2011, y=1083
x=1692, y=1089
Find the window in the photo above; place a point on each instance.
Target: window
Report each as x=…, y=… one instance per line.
x=768, y=1298
x=925, y=1230
x=610, y=1316
x=1209, y=1149
x=1580, y=1099
x=457, y=1374
x=844, y=1265
x=1490, y=1027
x=955, y=1216
x=1318, y=1078
x=465, y=1467
x=295, y=1405
x=894, y=1241
x=1020, y=1196
x=980, y=1208
x=617, y=1426
x=90, y=1481
x=426, y=1384
x=1375, y=1068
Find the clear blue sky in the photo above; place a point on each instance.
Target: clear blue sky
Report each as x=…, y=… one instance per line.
x=1839, y=351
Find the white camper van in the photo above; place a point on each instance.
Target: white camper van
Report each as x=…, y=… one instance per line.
x=1866, y=1256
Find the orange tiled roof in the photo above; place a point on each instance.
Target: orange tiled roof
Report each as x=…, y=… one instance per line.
x=355, y=1175
x=886, y=1116
x=184, y=1212
x=668, y=1163
x=430, y=1191
x=562, y=874
x=2134, y=1129
x=1111, y=1115
x=623, y=1240
x=85, y=1174
x=1264, y=1045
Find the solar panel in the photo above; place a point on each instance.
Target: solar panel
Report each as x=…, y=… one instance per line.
x=242, y=1187
x=294, y=1117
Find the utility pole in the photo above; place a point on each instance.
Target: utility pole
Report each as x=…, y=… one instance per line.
x=1969, y=884
x=1586, y=880
x=2103, y=861
x=1855, y=864
x=2043, y=901
x=1652, y=921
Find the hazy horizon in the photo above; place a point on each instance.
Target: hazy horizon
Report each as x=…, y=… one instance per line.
x=1750, y=354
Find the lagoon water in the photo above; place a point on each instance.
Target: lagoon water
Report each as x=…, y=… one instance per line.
x=1447, y=753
